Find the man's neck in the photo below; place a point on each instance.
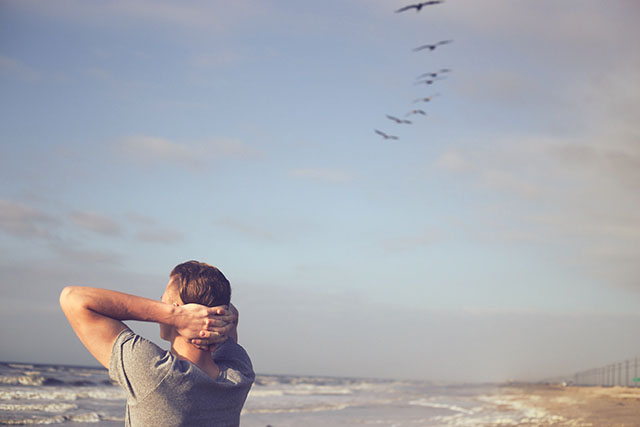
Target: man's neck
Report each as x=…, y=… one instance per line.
x=201, y=358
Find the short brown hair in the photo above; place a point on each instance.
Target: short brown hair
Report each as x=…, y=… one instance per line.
x=201, y=283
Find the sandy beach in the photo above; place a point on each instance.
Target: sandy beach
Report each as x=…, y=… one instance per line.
x=574, y=406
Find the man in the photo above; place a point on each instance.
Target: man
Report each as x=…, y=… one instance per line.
x=202, y=381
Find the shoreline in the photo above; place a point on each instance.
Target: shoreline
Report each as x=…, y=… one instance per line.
x=572, y=405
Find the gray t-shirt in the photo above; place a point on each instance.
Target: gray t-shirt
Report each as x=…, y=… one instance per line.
x=163, y=390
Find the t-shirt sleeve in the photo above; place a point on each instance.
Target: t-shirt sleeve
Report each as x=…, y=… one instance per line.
x=137, y=364
x=231, y=355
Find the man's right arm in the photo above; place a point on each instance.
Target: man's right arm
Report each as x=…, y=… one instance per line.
x=96, y=316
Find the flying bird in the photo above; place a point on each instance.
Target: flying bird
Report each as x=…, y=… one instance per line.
x=432, y=46
x=417, y=112
x=434, y=74
x=385, y=136
x=397, y=120
x=428, y=82
x=419, y=6
x=426, y=99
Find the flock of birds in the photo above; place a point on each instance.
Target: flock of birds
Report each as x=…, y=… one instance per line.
x=424, y=79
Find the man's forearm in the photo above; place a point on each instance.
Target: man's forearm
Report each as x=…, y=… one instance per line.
x=118, y=305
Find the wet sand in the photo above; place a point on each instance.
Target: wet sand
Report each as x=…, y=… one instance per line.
x=575, y=406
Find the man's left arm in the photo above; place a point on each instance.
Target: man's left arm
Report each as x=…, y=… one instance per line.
x=96, y=316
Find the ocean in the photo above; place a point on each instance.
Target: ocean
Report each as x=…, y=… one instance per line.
x=84, y=396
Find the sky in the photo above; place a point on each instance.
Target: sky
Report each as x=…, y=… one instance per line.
x=495, y=239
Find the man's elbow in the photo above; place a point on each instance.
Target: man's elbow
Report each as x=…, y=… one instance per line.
x=70, y=298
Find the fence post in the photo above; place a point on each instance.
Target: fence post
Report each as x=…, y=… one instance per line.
x=620, y=373
x=626, y=373
x=612, y=375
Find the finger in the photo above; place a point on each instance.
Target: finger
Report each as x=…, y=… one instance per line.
x=222, y=314
x=226, y=316
x=205, y=345
x=220, y=321
x=221, y=310
x=212, y=337
x=231, y=319
x=219, y=330
x=215, y=325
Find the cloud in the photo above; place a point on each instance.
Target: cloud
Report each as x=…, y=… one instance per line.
x=454, y=161
x=17, y=69
x=488, y=172
x=77, y=255
x=563, y=66
x=611, y=226
x=150, y=150
x=333, y=176
x=230, y=147
x=500, y=85
x=583, y=170
x=199, y=15
x=24, y=221
x=603, y=245
x=600, y=161
x=149, y=232
x=99, y=74
x=509, y=182
x=406, y=243
x=591, y=24
x=95, y=222
x=153, y=149
x=246, y=229
x=160, y=236
x=139, y=219
x=574, y=197
x=216, y=60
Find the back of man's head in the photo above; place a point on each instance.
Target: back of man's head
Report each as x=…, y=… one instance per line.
x=201, y=283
